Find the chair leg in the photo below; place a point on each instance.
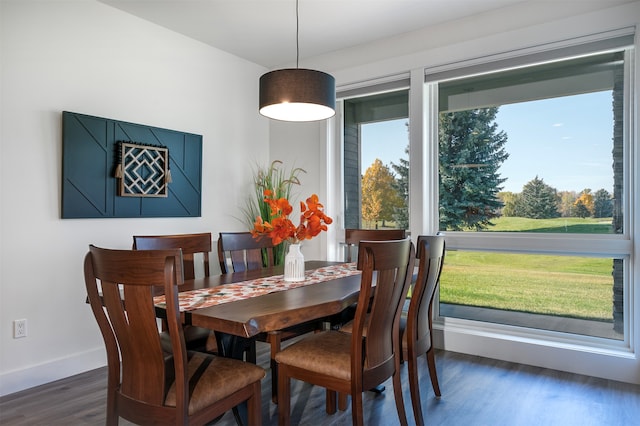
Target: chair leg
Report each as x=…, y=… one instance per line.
x=342, y=401
x=330, y=402
x=284, y=390
x=254, y=405
x=275, y=342
x=414, y=388
x=357, y=415
x=397, y=391
x=112, y=414
x=431, y=362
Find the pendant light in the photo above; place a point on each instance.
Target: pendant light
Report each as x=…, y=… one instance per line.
x=297, y=94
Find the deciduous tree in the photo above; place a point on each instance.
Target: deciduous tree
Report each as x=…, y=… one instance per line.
x=379, y=194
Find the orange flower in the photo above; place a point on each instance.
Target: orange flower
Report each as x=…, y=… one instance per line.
x=313, y=220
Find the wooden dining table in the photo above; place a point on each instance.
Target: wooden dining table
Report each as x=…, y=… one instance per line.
x=236, y=323
x=274, y=311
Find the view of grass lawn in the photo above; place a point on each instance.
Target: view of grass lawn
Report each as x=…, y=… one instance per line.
x=565, y=225
x=577, y=287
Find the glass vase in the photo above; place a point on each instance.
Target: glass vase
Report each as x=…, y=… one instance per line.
x=294, y=264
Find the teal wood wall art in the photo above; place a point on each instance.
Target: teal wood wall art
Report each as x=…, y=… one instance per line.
x=160, y=174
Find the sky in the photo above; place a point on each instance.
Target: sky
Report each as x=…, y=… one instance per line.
x=564, y=141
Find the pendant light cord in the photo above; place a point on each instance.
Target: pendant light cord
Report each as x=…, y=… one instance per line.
x=297, y=35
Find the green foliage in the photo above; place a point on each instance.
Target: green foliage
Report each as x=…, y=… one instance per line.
x=280, y=182
x=510, y=203
x=567, y=203
x=581, y=209
x=538, y=200
x=401, y=184
x=602, y=203
x=471, y=151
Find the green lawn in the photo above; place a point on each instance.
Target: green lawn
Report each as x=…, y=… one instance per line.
x=561, y=225
x=577, y=287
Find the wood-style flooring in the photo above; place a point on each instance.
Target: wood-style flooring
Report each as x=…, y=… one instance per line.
x=475, y=392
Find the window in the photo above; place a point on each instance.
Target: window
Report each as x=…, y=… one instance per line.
x=536, y=154
x=376, y=161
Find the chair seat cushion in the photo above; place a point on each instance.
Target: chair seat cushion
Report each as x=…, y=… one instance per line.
x=328, y=353
x=212, y=378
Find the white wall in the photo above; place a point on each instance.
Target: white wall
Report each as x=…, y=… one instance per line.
x=86, y=57
x=523, y=26
x=304, y=145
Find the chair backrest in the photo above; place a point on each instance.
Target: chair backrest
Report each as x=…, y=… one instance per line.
x=352, y=238
x=387, y=268
x=430, y=254
x=190, y=244
x=131, y=337
x=239, y=251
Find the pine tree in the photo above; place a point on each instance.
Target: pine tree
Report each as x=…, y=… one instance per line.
x=401, y=214
x=471, y=151
x=602, y=204
x=539, y=200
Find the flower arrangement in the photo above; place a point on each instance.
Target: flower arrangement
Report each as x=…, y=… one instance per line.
x=280, y=182
x=280, y=228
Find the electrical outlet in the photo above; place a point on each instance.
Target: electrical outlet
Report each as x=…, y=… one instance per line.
x=19, y=328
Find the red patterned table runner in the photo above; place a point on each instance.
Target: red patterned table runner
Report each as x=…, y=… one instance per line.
x=203, y=298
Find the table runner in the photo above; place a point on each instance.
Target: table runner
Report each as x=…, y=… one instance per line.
x=202, y=298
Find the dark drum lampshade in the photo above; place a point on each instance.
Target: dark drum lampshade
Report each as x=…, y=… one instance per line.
x=297, y=94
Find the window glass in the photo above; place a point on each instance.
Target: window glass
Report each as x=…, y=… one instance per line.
x=376, y=161
x=536, y=149
x=570, y=294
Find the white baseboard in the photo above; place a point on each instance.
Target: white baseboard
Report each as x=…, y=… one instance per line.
x=18, y=380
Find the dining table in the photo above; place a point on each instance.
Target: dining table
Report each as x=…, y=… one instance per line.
x=240, y=305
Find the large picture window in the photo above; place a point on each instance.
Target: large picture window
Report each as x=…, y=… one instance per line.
x=536, y=154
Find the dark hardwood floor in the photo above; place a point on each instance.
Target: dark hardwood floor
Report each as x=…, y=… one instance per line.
x=475, y=391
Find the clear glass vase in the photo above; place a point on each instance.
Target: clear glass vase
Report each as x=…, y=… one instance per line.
x=294, y=264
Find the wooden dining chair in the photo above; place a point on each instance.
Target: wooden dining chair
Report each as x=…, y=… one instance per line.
x=145, y=385
x=192, y=246
x=352, y=238
x=416, y=326
x=350, y=363
x=239, y=251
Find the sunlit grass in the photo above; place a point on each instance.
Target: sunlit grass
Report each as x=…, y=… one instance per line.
x=570, y=286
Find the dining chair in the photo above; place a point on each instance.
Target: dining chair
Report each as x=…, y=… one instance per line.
x=192, y=246
x=145, y=384
x=416, y=326
x=352, y=238
x=351, y=363
x=239, y=251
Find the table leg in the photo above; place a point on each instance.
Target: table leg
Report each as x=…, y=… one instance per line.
x=275, y=339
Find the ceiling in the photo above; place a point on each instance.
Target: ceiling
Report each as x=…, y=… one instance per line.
x=264, y=31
